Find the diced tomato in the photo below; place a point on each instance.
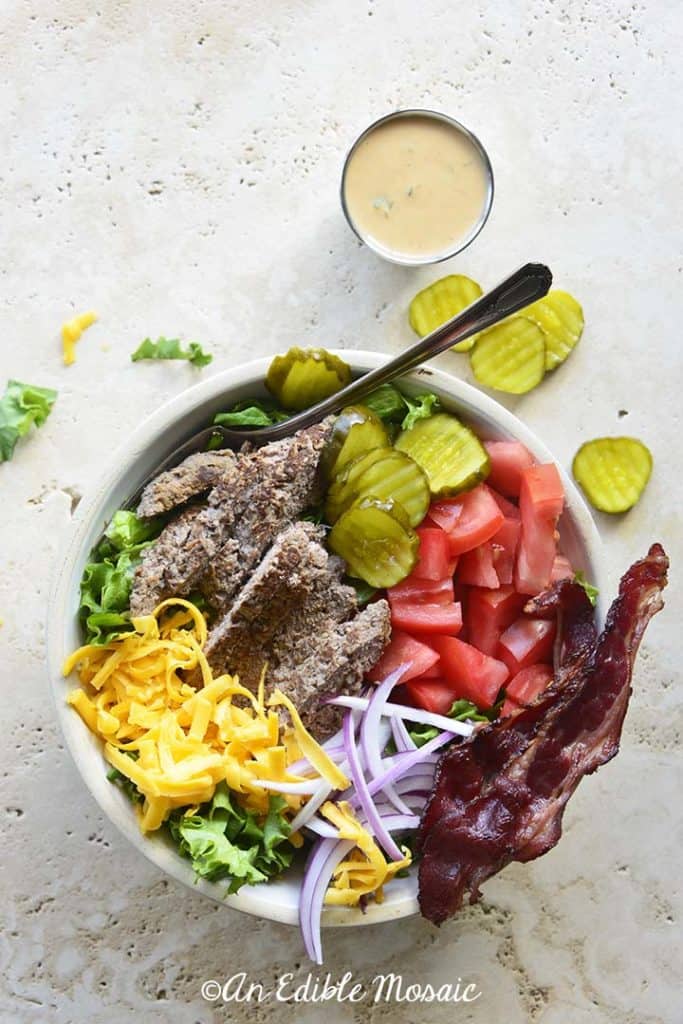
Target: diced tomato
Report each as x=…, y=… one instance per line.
x=504, y=544
x=427, y=618
x=488, y=615
x=508, y=508
x=477, y=567
x=526, y=642
x=543, y=487
x=416, y=591
x=528, y=683
x=435, y=695
x=434, y=555
x=461, y=594
x=540, y=501
x=432, y=673
x=508, y=708
x=562, y=569
x=509, y=459
x=473, y=675
x=469, y=520
x=404, y=650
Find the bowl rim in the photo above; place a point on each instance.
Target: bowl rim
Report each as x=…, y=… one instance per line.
x=255, y=900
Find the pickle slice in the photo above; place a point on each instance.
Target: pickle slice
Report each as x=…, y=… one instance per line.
x=560, y=317
x=451, y=455
x=393, y=476
x=439, y=302
x=344, y=489
x=613, y=472
x=303, y=377
x=510, y=356
x=376, y=542
x=356, y=431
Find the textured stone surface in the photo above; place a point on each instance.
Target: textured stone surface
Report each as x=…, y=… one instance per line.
x=175, y=167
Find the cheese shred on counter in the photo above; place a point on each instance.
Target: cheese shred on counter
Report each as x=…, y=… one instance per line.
x=175, y=742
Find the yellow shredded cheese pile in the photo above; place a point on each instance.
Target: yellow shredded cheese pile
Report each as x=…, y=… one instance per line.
x=365, y=870
x=186, y=740
x=72, y=331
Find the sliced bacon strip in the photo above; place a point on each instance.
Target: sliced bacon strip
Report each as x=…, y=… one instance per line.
x=500, y=796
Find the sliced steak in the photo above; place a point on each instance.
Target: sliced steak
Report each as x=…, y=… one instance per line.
x=341, y=659
x=301, y=634
x=196, y=475
x=175, y=563
x=275, y=485
x=218, y=544
x=240, y=642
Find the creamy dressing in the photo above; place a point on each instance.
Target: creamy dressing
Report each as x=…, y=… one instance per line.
x=416, y=186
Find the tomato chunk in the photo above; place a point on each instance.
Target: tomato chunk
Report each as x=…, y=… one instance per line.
x=505, y=543
x=403, y=650
x=472, y=674
x=469, y=520
x=542, y=487
x=427, y=618
x=528, y=683
x=509, y=459
x=434, y=555
x=476, y=567
x=432, y=673
x=540, y=502
x=435, y=695
x=508, y=508
x=488, y=615
x=417, y=591
x=526, y=642
x=561, y=570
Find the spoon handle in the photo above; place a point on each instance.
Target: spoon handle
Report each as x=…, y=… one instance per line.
x=526, y=285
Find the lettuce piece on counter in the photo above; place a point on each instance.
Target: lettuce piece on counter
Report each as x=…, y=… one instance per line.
x=224, y=841
x=108, y=576
x=22, y=406
x=392, y=406
x=171, y=348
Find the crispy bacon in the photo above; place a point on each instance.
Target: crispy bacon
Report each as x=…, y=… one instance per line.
x=500, y=796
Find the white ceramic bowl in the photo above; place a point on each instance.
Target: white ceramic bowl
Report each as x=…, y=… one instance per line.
x=155, y=438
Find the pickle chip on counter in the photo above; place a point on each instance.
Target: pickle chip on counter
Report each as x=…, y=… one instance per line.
x=510, y=356
x=613, y=472
x=383, y=473
x=451, y=455
x=303, y=377
x=560, y=317
x=439, y=302
x=376, y=541
x=356, y=431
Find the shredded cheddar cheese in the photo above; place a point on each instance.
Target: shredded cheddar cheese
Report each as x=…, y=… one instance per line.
x=184, y=740
x=365, y=870
x=71, y=333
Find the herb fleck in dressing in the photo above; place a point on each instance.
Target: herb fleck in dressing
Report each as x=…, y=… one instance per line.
x=415, y=186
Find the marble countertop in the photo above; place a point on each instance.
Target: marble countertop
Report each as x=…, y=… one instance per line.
x=175, y=167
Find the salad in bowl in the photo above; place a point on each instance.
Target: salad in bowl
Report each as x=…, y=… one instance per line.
x=349, y=674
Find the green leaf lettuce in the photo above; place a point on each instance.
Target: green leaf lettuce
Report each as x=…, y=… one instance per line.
x=171, y=348
x=108, y=576
x=225, y=841
x=22, y=406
